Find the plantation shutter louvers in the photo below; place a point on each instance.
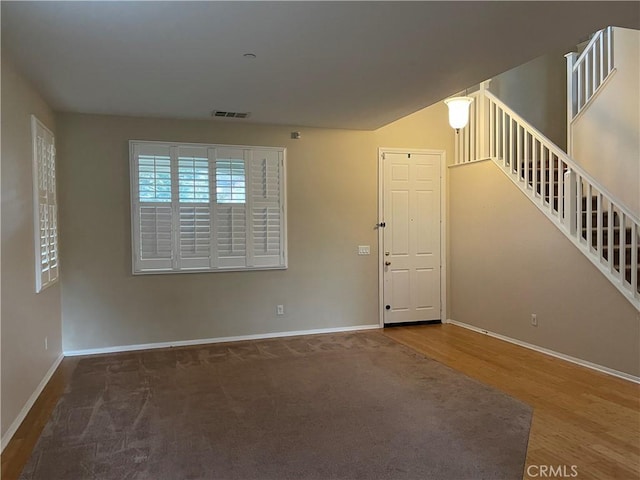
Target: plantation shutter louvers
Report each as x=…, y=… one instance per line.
x=194, y=208
x=231, y=208
x=46, y=205
x=207, y=207
x=266, y=212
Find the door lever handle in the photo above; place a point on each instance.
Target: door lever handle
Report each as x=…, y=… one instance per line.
x=387, y=263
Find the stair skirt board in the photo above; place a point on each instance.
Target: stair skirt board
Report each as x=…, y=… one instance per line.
x=552, y=353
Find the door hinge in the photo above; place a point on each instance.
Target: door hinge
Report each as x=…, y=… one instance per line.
x=381, y=224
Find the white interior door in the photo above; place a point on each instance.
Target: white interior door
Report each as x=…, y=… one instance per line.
x=411, y=236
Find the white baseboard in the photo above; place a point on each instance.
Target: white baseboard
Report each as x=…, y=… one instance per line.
x=203, y=341
x=27, y=406
x=552, y=353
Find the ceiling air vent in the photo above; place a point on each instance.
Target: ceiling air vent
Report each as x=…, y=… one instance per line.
x=220, y=113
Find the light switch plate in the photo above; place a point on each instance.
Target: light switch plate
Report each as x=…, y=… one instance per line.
x=364, y=250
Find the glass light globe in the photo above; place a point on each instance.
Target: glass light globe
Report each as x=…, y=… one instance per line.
x=458, y=111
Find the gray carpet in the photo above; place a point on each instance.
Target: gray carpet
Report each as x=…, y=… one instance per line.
x=343, y=406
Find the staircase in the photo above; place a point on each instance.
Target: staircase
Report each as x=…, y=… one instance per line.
x=590, y=217
x=598, y=225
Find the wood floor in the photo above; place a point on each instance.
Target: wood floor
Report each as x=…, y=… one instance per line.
x=18, y=451
x=581, y=418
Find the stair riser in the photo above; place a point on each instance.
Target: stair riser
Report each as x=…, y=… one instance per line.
x=616, y=256
x=605, y=236
x=594, y=203
x=605, y=219
x=546, y=189
x=538, y=176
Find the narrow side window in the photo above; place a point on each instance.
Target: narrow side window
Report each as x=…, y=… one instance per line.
x=45, y=205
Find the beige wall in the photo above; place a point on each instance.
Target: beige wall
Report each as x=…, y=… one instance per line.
x=509, y=261
x=537, y=90
x=606, y=135
x=27, y=317
x=332, y=208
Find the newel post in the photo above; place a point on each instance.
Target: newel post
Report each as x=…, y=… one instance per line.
x=570, y=201
x=571, y=98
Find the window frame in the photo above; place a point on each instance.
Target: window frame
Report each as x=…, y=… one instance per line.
x=40, y=283
x=175, y=204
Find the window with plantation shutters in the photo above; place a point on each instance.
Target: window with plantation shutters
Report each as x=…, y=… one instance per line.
x=45, y=205
x=207, y=207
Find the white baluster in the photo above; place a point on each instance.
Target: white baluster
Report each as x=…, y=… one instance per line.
x=544, y=172
x=571, y=102
x=570, y=201
x=599, y=222
x=560, y=190
x=579, y=209
x=610, y=48
x=610, y=233
x=594, y=86
x=465, y=133
x=518, y=152
x=587, y=79
x=492, y=125
x=527, y=159
x=481, y=124
x=601, y=49
x=622, y=245
x=504, y=139
x=589, y=216
x=510, y=159
x=634, y=258
x=537, y=160
x=472, y=132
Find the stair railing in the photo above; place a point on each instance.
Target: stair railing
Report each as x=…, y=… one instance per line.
x=599, y=225
x=587, y=72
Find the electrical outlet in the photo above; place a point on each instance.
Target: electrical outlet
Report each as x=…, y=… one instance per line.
x=534, y=320
x=280, y=310
x=46, y=343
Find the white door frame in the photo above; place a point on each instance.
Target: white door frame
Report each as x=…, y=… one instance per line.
x=443, y=226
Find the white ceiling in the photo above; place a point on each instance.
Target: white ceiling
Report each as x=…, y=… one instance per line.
x=356, y=65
